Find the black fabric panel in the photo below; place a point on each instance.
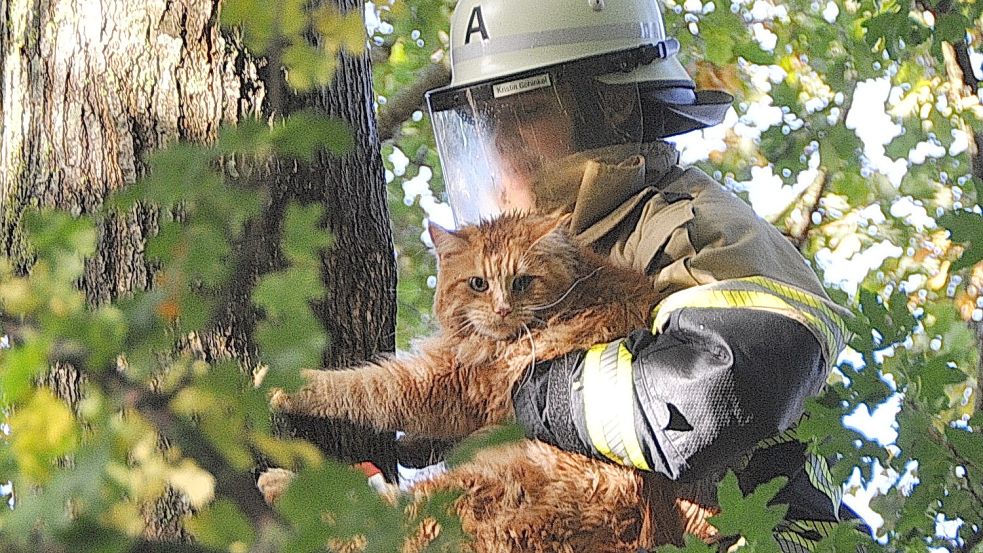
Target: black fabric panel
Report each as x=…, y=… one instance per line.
x=544, y=403
x=726, y=378
x=804, y=500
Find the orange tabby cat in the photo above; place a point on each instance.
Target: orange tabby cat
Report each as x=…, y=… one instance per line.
x=510, y=291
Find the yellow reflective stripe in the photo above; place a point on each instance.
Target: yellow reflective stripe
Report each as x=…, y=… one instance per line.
x=595, y=390
x=821, y=527
x=763, y=293
x=790, y=542
x=790, y=435
x=834, y=328
x=797, y=536
x=817, y=469
x=609, y=407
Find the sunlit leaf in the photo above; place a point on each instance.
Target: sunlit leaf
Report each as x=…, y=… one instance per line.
x=42, y=431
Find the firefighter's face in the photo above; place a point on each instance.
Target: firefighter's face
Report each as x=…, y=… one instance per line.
x=531, y=131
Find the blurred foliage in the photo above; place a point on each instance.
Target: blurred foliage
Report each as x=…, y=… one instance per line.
x=79, y=476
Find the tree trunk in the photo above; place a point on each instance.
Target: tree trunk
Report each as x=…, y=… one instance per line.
x=359, y=270
x=89, y=88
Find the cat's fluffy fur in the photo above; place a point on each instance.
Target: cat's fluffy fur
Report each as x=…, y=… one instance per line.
x=540, y=294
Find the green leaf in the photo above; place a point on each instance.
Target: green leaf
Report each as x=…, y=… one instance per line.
x=82, y=483
x=334, y=501
x=691, y=544
x=719, y=30
x=247, y=136
x=750, y=516
x=222, y=526
x=103, y=333
x=207, y=250
x=901, y=145
x=52, y=230
x=844, y=537
x=951, y=27
x=88, y=536
x=753, y=53
x=304, y=132
x=968, y=445
x=965, y=227
x=934, y=375
x=19, y=366
x=303, y=235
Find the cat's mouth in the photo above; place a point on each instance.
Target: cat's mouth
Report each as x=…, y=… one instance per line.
x=504, y=329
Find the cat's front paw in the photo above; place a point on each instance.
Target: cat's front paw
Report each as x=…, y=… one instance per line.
x=279, y=400
x=273, y=483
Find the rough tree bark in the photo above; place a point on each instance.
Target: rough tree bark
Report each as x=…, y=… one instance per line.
x=89, y=88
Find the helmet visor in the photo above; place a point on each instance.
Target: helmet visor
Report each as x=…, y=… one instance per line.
x=522, y=144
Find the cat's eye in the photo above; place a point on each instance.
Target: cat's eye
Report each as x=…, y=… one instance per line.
x=478, y=284
x=521, y=283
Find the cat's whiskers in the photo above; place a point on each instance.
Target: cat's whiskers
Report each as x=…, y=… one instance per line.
x=532, y=342
x=567, y=293
x=466, y=326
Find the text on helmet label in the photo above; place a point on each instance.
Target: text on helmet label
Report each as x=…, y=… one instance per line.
x=521, y=85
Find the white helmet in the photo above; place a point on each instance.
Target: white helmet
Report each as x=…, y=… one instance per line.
x=535, y=81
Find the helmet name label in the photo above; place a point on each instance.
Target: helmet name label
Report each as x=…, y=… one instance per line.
x=521, y=85
x=476, y=24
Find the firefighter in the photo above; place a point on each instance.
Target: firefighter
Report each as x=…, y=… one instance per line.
x=565, y=105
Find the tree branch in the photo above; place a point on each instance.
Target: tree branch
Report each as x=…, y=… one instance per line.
x=808, y=203
x=238, y=486
x=401, y=107
x=963, y=84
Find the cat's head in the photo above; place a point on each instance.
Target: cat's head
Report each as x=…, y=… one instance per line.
x=496, y=277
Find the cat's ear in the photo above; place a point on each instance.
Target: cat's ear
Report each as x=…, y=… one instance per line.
x=553, y=222
x=562, y=220
x=443, y=240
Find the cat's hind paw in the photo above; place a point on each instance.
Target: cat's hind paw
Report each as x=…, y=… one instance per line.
x=273, y=483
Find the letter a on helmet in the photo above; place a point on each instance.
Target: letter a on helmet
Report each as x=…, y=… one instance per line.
x=476, y=24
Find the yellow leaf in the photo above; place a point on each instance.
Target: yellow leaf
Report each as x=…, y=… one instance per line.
x=397, y=54
x=287, y=453
x=42, y=431
x=16, y=296
x=125, y=517
x=196, y=483
x=940, y=278
x=340, y=30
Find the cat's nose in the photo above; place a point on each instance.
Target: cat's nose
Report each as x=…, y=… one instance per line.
x=503, y=310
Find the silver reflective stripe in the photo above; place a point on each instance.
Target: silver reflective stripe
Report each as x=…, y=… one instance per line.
x=557, y=37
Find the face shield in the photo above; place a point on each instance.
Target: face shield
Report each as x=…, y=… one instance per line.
x=522, y=142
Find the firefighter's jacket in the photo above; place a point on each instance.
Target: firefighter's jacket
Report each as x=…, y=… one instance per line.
x=743, y=334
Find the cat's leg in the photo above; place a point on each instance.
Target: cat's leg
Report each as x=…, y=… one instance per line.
x=534, y=498
x=596, y=325
x=420, y=394
x=273, y=482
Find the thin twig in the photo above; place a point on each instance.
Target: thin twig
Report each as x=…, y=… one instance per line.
x=401, y=107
